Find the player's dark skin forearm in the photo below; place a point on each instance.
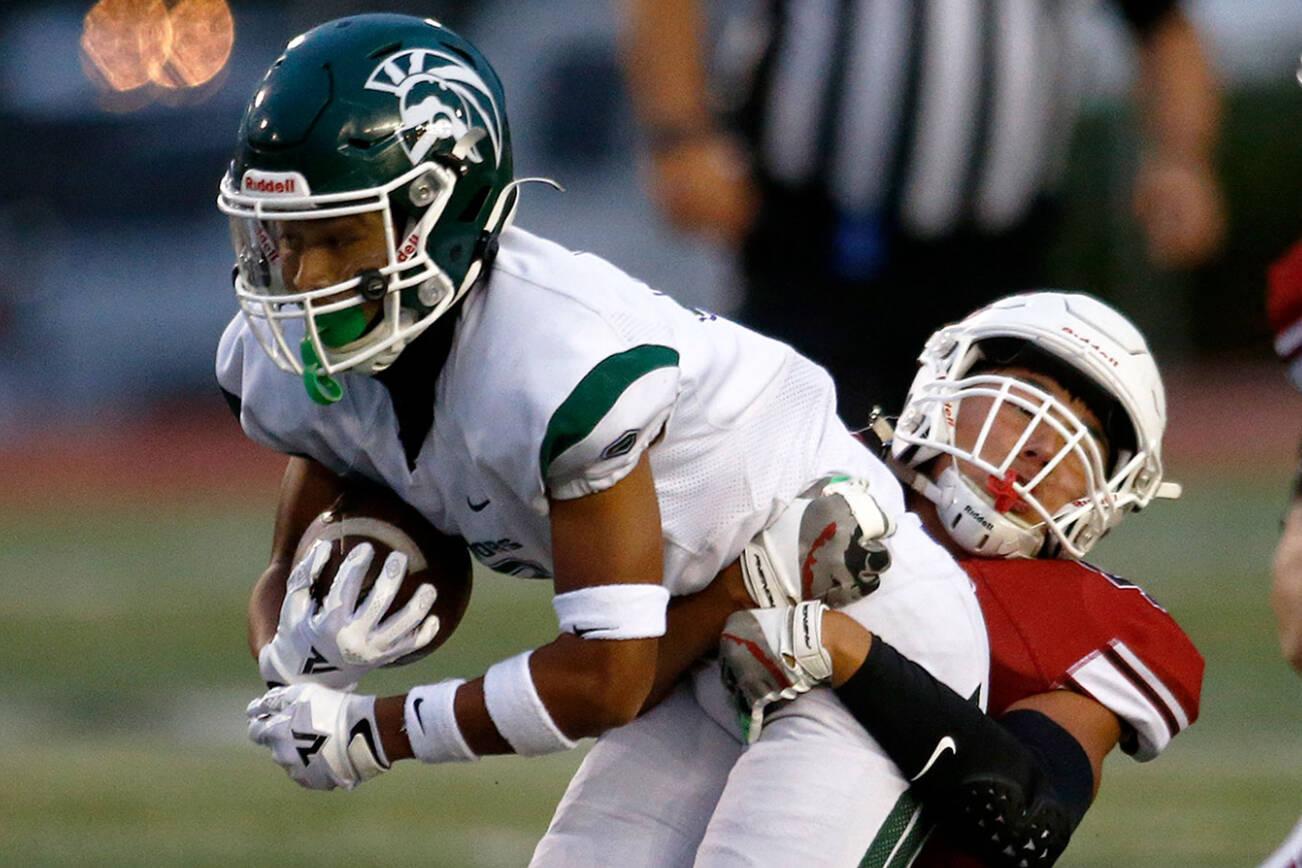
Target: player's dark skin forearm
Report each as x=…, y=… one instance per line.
x=694, y=624
x=264, y=604
x=587, y=686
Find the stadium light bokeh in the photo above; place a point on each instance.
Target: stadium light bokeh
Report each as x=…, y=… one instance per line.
x=131, y=45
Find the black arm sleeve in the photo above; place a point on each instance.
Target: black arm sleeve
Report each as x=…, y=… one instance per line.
x=1001, y=790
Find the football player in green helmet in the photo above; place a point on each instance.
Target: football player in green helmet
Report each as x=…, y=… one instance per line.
x=566, y=420
x=394, y=163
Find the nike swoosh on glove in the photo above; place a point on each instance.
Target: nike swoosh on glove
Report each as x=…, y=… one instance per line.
x=322, y=738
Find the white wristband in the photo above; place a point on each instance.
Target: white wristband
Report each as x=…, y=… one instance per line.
x=429, y=716
x=613, y=611
x=517, y=710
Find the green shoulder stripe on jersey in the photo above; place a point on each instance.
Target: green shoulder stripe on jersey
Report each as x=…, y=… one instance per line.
x=595, y=394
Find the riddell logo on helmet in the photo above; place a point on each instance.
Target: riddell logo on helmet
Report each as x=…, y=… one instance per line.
x=274, y=183
x=1093, y=345
x=263, y=185
x=978, y=517
x=409, y=247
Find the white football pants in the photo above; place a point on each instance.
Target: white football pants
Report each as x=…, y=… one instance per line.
x=675, y=787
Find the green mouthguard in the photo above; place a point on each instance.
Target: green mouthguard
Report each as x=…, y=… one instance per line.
x=341, y=327
x=336, y=329
x=321, y=387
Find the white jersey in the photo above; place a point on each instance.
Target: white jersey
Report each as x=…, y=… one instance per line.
x=563, y=371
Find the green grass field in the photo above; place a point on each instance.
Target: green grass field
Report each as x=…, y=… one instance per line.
x=123, y=678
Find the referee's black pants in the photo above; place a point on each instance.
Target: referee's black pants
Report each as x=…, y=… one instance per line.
x=868, y=329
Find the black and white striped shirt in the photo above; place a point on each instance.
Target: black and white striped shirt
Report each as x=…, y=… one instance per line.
x=933, y=114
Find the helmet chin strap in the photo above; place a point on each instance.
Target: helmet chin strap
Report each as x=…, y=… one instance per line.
x=973, y=523
x=967, y=516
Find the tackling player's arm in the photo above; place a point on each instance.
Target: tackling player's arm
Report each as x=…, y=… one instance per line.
x=1032, y=774
x=1042, y=759
x=1093, y=726
x=306, y=489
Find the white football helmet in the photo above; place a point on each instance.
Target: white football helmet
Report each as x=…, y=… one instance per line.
x=1099, y=357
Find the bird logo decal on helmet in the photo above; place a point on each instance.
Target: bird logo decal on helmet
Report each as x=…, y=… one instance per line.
x=438, y=98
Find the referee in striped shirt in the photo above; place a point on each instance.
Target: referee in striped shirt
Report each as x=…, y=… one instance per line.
x=889, y=164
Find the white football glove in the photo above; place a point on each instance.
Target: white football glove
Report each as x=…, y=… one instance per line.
x=828, y=544
x=770, y=655
x=323, y=738
x=334, y=645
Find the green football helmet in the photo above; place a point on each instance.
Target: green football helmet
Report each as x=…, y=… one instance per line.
x=386, y=115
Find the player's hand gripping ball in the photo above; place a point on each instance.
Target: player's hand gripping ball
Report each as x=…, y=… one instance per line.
x=374, y=516
x=373, y=585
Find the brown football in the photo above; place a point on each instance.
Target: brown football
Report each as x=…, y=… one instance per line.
x=367, y=513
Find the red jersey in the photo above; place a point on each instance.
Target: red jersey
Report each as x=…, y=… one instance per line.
x=1056, y=623
x=1065, y=624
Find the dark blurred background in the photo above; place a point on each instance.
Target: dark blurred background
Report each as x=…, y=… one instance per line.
x=114, y=261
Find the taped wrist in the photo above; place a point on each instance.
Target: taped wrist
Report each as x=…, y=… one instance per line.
x=517, y=710
x=767, y=583
x=429, y=717
x=630, y=611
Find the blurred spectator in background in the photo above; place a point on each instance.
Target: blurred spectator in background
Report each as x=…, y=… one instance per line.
x=1284, y=306
x=891, y=158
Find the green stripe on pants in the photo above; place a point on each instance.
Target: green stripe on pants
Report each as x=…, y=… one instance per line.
x=900, y=837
